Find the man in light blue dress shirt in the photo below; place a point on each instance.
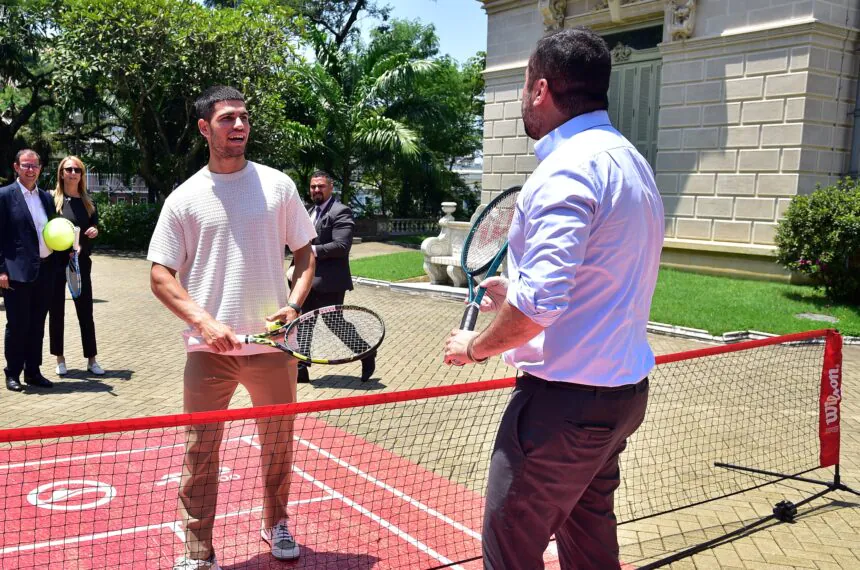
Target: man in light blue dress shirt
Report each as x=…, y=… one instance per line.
x=584, y=251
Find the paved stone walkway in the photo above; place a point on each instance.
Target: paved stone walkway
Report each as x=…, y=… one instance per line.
x=140, y=347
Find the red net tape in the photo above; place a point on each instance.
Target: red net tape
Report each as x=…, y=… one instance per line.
x=392, y=480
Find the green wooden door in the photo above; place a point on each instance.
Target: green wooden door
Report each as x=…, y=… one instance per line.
x=634, y=92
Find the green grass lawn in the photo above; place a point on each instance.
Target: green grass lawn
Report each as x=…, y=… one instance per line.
x=722, y=304
x=390, y=267
x=715, y=304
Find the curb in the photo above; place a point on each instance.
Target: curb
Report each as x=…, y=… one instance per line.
x=459, y=294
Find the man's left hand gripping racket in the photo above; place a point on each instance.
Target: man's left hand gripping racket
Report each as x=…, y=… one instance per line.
x=485, y=249
x=329, y=335
x=73, y=268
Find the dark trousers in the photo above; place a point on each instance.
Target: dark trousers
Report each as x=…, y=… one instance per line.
x=26, y=309
x=554, y=470
x=83, y=307
x=315, y=300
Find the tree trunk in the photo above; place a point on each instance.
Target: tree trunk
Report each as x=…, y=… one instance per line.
x=7, y=152
x=9, y=131
x=382, y=208
x=346, y=186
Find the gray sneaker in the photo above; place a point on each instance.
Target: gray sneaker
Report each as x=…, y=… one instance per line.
x=195, y=564
x=283, y=544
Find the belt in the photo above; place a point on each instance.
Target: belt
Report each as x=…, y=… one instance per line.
x=640, y=386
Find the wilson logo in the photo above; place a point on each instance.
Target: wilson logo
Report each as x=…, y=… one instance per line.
x=831, y=402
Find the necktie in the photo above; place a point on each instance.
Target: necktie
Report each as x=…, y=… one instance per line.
x=316, y=214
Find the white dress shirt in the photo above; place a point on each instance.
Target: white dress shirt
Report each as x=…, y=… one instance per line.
x=583, y=256
x=37, y=212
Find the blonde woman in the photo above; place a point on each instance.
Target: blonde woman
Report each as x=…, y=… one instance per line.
x=72, y=202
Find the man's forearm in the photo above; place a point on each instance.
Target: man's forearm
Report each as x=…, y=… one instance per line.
x=510, y=329
x=172, y=295
x=303, y=274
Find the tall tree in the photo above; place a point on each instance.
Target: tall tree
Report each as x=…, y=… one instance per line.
x=149, y=59
x=351, y=96
x=445, y=110
x=392, y=117
x=25, y=73
x=334, y=18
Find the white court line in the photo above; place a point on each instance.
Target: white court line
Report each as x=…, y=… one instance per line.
x=393, y=490
x=87, y=456
x=173, y=526
x=176, y=528
x=394, y=529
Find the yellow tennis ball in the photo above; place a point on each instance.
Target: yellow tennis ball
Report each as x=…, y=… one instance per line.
x=273, y=325
x=59, y=234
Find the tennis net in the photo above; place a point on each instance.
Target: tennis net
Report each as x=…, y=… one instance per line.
x=396, y=480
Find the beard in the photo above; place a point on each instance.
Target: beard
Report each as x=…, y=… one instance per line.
x=318, y=199
x=531, y=123
x=226, y=151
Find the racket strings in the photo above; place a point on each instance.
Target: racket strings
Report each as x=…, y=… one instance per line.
x=73, y=277
x=336, y=335
x=490, y=234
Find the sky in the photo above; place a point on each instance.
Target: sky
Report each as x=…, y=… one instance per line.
x=460, y=24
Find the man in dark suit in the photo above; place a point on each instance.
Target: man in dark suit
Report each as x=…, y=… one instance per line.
x=26, y=270
x=334, y=225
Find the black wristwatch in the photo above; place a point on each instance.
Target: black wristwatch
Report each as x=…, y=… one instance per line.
x=298, y=308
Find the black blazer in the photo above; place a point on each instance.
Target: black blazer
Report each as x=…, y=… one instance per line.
x=19, y=243
x=334, y=239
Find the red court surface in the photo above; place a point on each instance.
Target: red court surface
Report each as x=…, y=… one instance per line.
x=110, y=502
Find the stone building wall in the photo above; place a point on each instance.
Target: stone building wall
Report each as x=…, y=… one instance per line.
x=755, y=107
x=752, y=112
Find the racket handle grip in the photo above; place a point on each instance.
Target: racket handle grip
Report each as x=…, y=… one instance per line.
x=470, y=317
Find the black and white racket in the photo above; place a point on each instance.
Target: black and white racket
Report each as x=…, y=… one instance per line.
x=485, y=249
x=336, y=334
x=73, y=268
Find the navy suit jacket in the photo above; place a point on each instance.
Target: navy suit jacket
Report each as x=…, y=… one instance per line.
x=19, y=243
x=334, y=228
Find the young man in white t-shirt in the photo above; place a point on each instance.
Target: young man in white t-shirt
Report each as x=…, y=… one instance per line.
x=223, y=232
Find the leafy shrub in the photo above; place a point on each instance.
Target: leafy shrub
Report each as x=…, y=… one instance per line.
x=820, y=237
x=126, y=226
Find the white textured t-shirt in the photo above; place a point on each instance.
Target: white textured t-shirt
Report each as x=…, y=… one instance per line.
x=224, y=235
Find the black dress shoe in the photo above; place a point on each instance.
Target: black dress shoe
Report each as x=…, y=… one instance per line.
x=368, y=367
x=38, y=380
x=304, y=376
x=13, y=384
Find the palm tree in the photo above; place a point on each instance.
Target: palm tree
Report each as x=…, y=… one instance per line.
x=350, y=95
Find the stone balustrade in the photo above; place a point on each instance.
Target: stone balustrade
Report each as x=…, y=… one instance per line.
x=405, y=226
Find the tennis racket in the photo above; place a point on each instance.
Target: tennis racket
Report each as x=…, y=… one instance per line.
x=336, y=334
x=485, y=249
x=73, y=268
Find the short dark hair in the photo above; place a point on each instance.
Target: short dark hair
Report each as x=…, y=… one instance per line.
x=576, y=65
x=205, y=102
x=24, y=151
x=323, y=174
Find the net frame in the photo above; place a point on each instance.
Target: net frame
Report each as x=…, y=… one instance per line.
x=828, y=403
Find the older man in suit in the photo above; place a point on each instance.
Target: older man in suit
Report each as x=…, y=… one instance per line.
x=334, y=226
x=26, y=270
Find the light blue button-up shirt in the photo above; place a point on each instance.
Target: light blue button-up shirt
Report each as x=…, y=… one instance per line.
x=584, y=251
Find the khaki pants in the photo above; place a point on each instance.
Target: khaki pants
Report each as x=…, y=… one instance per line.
x=210, y=381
